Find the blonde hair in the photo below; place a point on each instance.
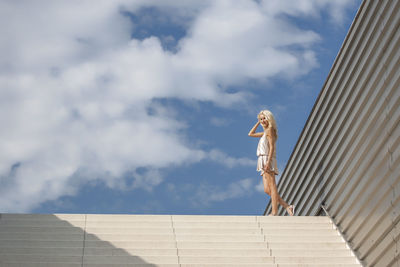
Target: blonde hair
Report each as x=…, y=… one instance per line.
x=271, y=120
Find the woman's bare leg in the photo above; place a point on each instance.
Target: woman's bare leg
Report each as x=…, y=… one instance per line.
x=274, y=192
x=268, y=192
x=270, y=186
x=266, y=187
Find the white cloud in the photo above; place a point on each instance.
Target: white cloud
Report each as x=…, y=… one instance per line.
x=75, y=89
x=260, y=186
x=219, y=122
x=230, y=162
x=306, y=8
x=205, y=194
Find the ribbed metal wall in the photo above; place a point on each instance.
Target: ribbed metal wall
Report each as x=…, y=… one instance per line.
x=347, y=156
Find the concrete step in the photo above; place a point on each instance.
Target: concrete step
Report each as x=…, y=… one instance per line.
x=133, y=244
x=315, y=260
x=162, y=218
x=63, y=264
x=129, y=265
x=41, y=264
x=127, y=218
x=130, y=231
x=26, y=258
x=220, y=245
x=40, y=236
x=130, y=259
x=187, y=230
x=184, y=265
x=42, y=217
x=132, y=237
x=57, y=251
x=69, y=240
x=231, y=265
x=311, y=253
x=23, y=225
x=213, y=231
x=127, y=224
x=216, y=225
x=308, y=245
x=244, y=231
x=224, y=252
x=89, y=251
x=219, y=238
x=302, y=232
x=156, y=244
x=293, y=219
x=225, y=260
x=39, y=243
x=41, y=223
x=131, y=251
x=58, y=230
x=125, y=259
x=213, y=218
x=283, y=225
x=320, y=265
x=270, y=265
x=304, y=239
x=171, y=237
x=56, y=264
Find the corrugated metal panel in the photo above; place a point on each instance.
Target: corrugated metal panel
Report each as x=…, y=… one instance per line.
x=347, y=156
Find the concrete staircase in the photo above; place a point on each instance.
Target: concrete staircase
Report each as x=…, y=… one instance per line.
x=73, y=240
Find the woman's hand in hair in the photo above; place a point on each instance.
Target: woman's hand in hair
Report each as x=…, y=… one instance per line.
x=253, y=133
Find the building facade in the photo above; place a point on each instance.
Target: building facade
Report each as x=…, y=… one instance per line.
x=347, y=156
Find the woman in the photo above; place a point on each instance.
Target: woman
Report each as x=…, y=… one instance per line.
x=266, y=165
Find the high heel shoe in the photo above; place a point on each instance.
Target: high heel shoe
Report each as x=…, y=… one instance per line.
x=290, y=210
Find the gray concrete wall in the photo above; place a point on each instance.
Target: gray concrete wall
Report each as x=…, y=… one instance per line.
x=347, y=156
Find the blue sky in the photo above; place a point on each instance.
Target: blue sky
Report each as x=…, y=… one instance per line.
x=144, y=107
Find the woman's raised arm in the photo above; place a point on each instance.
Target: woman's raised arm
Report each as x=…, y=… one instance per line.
x=253, y=133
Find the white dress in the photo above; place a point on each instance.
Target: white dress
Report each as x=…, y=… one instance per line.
x=262, y=153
